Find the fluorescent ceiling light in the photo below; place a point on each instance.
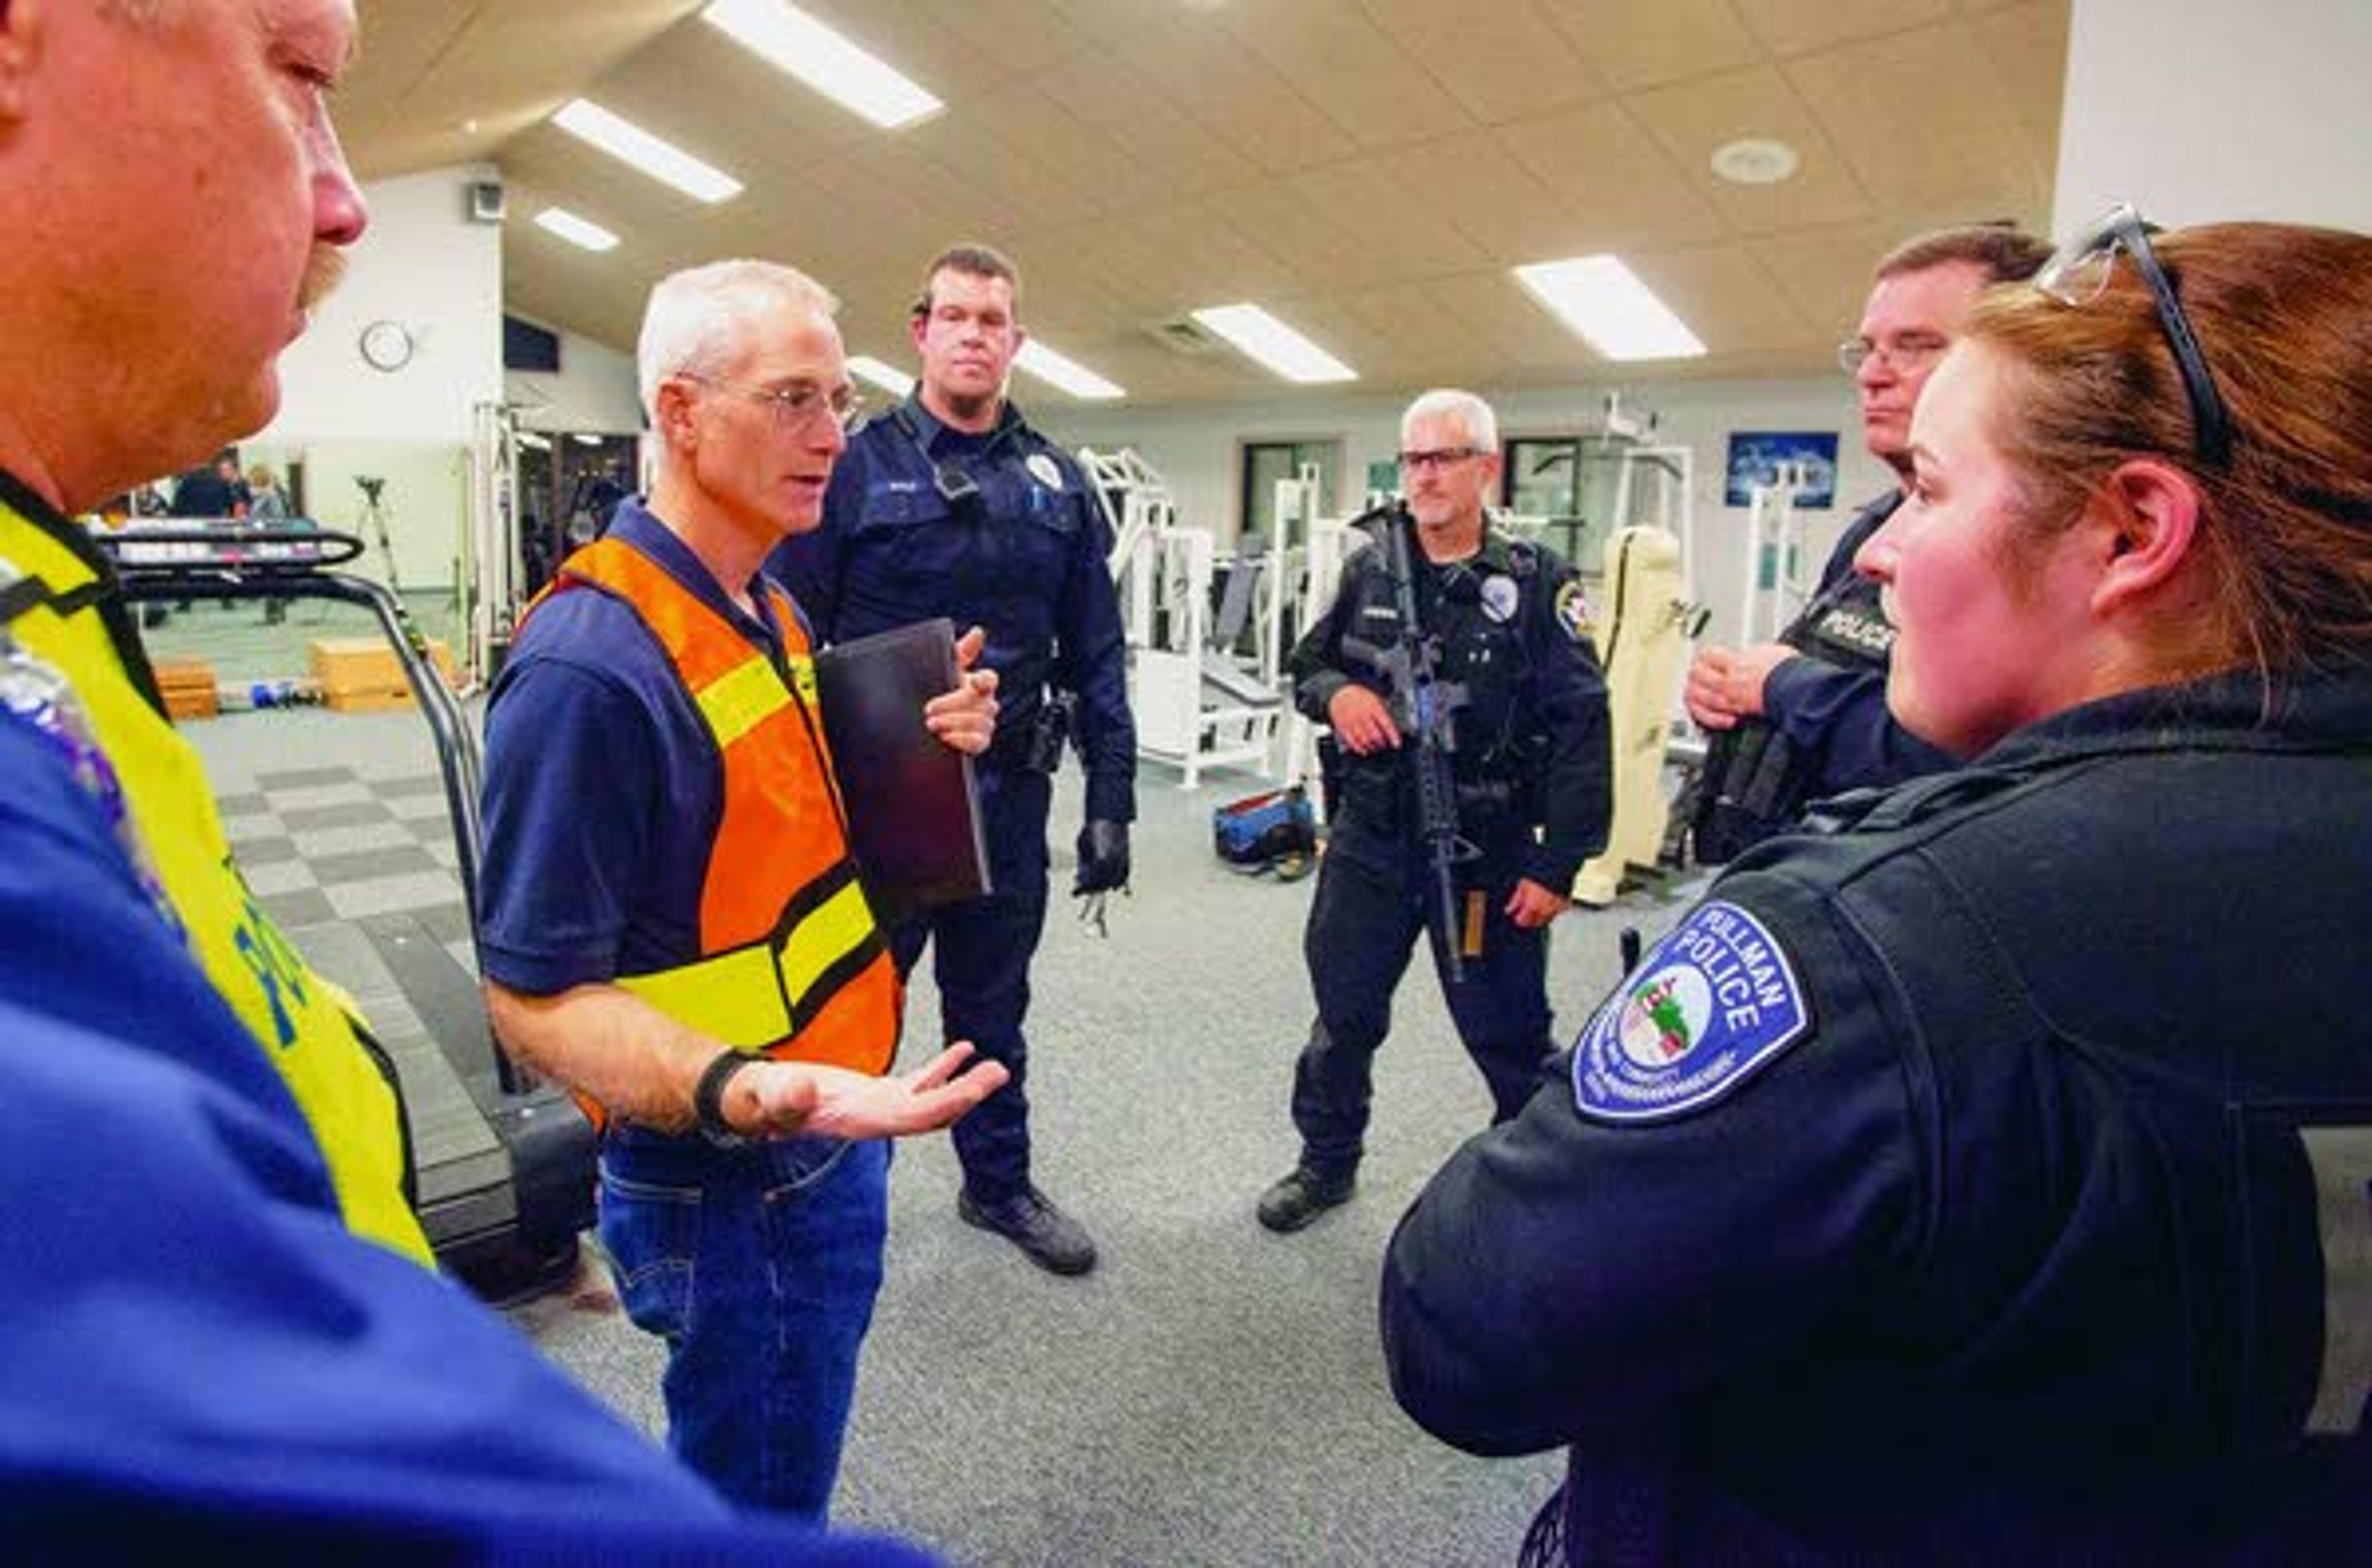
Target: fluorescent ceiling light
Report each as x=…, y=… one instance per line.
x=662, y=160
x=1067, y=373
x=1603, y=302
x=581, y=232
x=792, y=41
x=888, y=378
x=1275, y=344
x=586, y=438
x=529, y=438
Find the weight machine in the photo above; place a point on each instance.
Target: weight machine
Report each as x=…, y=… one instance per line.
x=1196, y=705
x=1773, y=529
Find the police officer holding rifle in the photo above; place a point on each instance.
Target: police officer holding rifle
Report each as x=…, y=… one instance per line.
x=1468, y=781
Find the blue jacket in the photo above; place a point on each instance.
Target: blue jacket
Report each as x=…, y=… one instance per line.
x=1022, y=557
x=1945, y=1187
x=198, y=1361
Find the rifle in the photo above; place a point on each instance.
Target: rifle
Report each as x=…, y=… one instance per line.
x=1425, y=708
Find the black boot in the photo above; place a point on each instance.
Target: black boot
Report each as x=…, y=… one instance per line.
x=1300, y=1197
x=1052, y=1239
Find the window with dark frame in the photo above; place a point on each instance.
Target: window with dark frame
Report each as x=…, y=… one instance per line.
x=1264, y=463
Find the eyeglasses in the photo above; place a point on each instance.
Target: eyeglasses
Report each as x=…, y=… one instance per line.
x=2079, y=273
x=1905, y=353
x=1447, y=457
x=793, y=405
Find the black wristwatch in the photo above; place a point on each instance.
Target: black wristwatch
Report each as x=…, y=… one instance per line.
x=708, y=1098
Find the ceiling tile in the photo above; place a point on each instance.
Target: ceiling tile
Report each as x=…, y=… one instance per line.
x=2026, y=45
x=1025, y=117
x=1235, y=96
x=1924, y=121
x=1824, y=273
x=1470, y=180
x=1126, y=112
x=1021, y=36
x=1011, y=189
x=1728, y=300
x=1517, y=65
x=1401, y=238
x=1643, y=43
x=1797, y=27
x=1689, y=121
x=1333, y=55
x=1620, y=185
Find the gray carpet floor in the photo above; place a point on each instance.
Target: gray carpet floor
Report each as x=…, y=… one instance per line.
x=1213, y=1394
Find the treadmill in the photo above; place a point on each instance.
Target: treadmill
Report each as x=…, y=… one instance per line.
x=505, y=1164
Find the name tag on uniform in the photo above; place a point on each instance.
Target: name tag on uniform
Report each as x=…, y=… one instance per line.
x=1711, y=1003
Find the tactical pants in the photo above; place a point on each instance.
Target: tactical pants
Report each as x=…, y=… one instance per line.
x=1374, y=895
x=981, y=953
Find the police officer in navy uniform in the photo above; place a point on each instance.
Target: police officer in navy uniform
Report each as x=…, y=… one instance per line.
x=952, y=504
x=1983, y=1178
x=1805, y=717
x=1526, y=723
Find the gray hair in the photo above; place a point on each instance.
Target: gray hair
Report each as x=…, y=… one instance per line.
x=698, y=318
x=1472, y=415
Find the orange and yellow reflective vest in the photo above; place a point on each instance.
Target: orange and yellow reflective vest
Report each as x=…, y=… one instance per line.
x=791, y=962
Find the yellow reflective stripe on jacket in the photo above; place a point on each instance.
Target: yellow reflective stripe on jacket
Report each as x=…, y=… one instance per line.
x=295, y=1016
x=754, y=996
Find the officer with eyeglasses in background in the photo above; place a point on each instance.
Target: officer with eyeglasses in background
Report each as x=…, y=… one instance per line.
x=952, y=504
x=1805, y=717
x=671, y=923
x=1516, y=684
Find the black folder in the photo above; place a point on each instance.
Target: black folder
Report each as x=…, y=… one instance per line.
x=913, y=811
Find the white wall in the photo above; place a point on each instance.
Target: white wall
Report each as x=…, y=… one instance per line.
x=1196, y=451
x=594, y=391
x=425, y=264
x=2203, y=109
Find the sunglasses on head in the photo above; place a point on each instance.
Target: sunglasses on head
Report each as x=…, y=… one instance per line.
x=2078, y=273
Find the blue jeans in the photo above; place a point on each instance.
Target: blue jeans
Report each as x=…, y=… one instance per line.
x=759, y=1267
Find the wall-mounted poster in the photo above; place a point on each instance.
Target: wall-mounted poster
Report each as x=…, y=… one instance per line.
x=1755, y=456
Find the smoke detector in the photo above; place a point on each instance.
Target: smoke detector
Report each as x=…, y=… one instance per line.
x=1755, y=161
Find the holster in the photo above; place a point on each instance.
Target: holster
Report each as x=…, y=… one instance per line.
x=1041, y=746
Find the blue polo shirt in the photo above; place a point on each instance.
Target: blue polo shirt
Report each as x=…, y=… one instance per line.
x=603, y=788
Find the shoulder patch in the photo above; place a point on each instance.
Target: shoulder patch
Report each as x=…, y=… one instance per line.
x=1044, y=469
x=1710, y=1005
x=1572, y=610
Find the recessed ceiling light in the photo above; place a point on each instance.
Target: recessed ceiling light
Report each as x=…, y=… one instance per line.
x=1275, y=344
x=1755, y=161
x=1059, y=370
x=1603, y=302
x=659, y=158
x=792, y=41
x=888, y=378
x=583, y=233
